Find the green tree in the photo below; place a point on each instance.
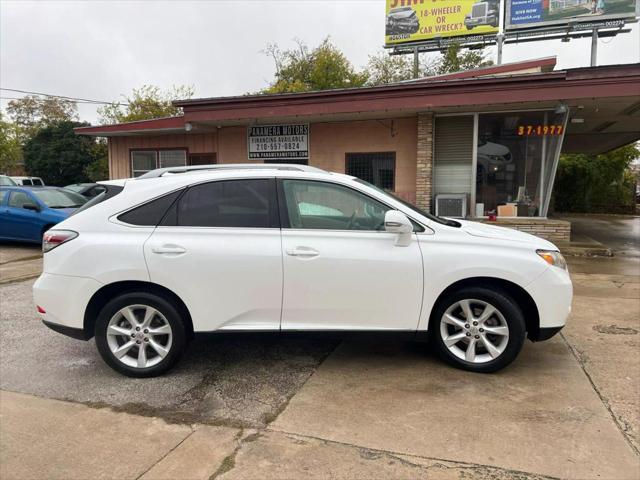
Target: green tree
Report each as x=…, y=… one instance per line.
x=383, y=68
x=455, y=59
x=32, y=112
x=596, y=183
x=10, y=147
x=58, y=155
x=145, y=103
x=98, y=169
x=302, y=69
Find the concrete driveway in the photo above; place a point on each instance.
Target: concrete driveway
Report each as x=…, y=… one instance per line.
x=269, y=407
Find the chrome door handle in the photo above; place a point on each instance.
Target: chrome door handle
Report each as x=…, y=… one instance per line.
x=169, y=249
x=304, y=252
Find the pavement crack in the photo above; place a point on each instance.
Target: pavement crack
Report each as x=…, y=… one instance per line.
x=440, y=462
x=229, y=461
x=193, y=430
x=622, y=428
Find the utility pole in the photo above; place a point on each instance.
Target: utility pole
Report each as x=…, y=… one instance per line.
x=416, y=62
x=594, y=47
x=500, y=42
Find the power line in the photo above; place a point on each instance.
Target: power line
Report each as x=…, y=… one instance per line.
x=73, y=99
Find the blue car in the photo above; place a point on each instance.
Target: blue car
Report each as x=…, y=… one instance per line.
x=27, y=212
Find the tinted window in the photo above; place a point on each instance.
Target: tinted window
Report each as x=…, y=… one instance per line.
x=232, y=203
x=376, y=168
x=26, y=181
x=327, y=206
x=150, y=213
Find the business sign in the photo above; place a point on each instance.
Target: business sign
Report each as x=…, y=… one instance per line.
x=542, y=13
x=278, y=141
x=421, y=20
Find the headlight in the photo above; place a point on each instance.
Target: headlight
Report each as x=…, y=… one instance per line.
x=553, y=258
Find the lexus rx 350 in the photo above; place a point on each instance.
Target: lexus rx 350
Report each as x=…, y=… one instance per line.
x=154, y=260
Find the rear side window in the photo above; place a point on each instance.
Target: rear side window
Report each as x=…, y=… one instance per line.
x=3, y=193
x=150, y=214
x=229, y=203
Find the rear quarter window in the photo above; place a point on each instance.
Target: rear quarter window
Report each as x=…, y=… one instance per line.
x=151, y=213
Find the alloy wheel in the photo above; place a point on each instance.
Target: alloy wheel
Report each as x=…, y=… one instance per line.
x=139, y=336
x=474, y=331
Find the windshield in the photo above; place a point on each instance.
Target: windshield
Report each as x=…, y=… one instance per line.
x=75, y=188
x=424, y=213
x=59, y=198
x=6, y=182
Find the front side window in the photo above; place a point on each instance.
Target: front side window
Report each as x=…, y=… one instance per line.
x=143, y=161
x=327, y=206
x=378, y=168
x=20, y=199
x=229, y=203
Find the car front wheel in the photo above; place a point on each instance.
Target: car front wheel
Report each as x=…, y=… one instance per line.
x=478, y=329
x=140, y=334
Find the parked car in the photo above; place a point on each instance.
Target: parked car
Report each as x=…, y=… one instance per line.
x=402, y=20
x=28, y=181
x=483, y=13
x=88, y=190
x=27, y=212
x=290, y=248
x=6, y=181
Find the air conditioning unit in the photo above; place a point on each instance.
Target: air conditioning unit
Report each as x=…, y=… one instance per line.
x=451, y=205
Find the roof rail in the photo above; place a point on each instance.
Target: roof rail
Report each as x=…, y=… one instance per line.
x=159, y=172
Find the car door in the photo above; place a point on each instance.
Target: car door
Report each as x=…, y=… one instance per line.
x=24, y=223
x=219, y=250
x=342, y=271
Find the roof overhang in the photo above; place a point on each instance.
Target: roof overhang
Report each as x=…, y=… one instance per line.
x=605, y=96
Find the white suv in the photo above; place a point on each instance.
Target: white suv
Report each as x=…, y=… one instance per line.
x=157, y=259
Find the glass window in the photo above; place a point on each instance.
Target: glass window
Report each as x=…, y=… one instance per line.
x=327, y=206
x=376, y=168
x=232, y=203
x=142, y=161
x=3, y=193
x=59, y=198
x=20, y=199
x=150, y=213
x=515, y=156
x=172, y=158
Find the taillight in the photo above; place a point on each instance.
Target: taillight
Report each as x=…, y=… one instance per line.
x=54, y=238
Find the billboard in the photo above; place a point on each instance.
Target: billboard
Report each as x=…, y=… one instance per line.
x=420, y=20
x=289, y=142
x=542, y=13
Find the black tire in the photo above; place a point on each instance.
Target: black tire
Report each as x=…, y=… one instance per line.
x=511, y=313
x=170, y=313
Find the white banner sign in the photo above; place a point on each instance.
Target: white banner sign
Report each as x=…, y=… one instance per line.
x=278, y=141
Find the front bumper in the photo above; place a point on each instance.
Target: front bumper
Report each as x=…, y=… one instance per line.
x=64, y=299
x=553, y=293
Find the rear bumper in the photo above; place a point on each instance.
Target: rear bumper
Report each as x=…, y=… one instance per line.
x=64, y=298
x=77, y=333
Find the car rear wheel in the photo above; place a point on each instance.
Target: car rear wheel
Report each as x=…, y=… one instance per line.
x=478, y=329
x=140, y=334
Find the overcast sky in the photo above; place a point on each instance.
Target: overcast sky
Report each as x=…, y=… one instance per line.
x=103, y=49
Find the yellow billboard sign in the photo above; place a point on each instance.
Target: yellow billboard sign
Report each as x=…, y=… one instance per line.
x=419, y=20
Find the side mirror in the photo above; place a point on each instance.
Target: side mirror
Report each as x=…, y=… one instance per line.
x=397, y=222
x=31, y=206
